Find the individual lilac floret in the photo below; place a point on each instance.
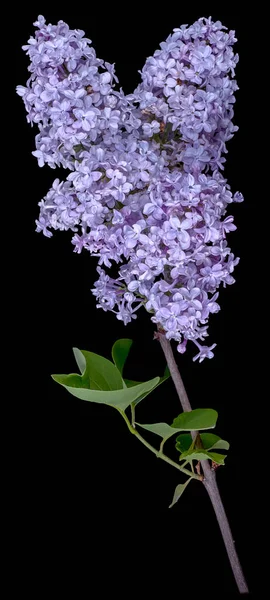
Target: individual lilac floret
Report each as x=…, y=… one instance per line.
x=204, y=352
x=144, y=189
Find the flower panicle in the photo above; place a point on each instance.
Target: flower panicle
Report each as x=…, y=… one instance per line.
x=145, y=188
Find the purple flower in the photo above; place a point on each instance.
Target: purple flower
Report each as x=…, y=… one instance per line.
x=204, y=352
x=144, y=189
x=85, y=119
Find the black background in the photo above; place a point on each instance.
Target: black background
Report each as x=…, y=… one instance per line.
x=78, y=466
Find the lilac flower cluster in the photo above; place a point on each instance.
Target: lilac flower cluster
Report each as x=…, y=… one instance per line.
x=145, y=189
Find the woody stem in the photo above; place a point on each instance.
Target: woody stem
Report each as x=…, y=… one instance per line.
x=209, y=480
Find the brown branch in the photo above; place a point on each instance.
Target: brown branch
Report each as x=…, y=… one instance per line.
x=209, y=480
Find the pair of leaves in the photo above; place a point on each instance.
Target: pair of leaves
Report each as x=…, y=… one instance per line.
x=209, y=441
x=185, y=445
x=101, y=381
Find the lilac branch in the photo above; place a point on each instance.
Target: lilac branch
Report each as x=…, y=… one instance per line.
x=209, y=480
x=145, y=189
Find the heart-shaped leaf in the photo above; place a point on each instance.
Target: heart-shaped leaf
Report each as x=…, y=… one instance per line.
x=219, y=444
x=120, y=352
x=180, y=488
x=102, y=373
x=210, y=441
x=121, y=398
x=183, y=442
x=200, y=418
x=162, y=429
x=203, y=455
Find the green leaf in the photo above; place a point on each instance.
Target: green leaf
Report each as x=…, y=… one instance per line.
x=217, y=457
x=180, y=488
x=162, y=429
x=102, y=373
x=165, y=376
x=209, y=441
x=183, y=442
x=120, y=352
x=80, y=360
x=131, y=383
x=120, y=398
x=200, y=418
x=73, y=381
x=197, y=454
x=190, y=421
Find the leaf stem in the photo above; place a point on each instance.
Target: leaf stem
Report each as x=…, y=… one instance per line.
x=166, y=458
x=162, y=444
x=158, y=453
x=126, y=419
x=132, y=408
x=209, y=479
